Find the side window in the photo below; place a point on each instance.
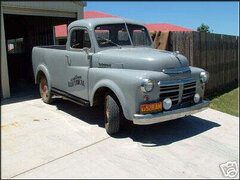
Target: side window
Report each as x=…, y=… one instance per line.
x=80, y=39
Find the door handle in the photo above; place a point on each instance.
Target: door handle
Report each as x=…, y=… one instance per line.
x=68, y=60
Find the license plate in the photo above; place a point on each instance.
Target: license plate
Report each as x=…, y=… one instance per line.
x=150, y=108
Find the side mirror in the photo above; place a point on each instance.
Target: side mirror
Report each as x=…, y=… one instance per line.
x=86, y=50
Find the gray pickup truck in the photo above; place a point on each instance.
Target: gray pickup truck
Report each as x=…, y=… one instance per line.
x=112, y=62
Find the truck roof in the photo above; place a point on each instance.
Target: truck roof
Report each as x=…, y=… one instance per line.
x=93, y=22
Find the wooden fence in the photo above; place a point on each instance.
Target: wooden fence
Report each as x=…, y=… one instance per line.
x=216, y=53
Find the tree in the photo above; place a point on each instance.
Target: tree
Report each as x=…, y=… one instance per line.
x=203, y=28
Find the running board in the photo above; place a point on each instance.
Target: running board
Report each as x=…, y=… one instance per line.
x=70, y=97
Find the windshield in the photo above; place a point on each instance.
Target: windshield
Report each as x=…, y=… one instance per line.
x=117, y=35
x=139, y=35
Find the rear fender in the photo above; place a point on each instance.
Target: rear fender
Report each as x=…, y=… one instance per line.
x=46, y=73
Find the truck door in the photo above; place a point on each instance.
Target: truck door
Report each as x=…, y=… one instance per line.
x=77, y=63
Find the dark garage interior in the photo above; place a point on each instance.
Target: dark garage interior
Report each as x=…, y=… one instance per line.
x=22, y=34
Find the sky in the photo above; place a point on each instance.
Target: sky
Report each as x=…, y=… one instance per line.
x=221, y=17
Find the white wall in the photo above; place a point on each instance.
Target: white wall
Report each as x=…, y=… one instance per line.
x=39, y=8
x=4, y=67
x=68, y=6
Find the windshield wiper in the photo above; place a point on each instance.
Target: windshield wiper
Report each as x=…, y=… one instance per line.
x=110, y=41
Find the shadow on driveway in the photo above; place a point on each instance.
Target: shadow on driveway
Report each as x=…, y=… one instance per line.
x=168, y=132
x=149, y=135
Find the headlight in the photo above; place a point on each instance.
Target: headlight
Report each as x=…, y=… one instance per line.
x=204, y=76
x=147, y=85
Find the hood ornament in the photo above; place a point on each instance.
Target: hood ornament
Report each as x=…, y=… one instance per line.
x=175, y=53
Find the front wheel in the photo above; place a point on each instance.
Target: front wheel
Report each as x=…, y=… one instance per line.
x=112, y=114
x=44, y=91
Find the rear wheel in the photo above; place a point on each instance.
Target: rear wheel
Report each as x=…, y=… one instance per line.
x=44, y=91
x=112, y=112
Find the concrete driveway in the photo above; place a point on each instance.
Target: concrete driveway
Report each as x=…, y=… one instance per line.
x=65, y=140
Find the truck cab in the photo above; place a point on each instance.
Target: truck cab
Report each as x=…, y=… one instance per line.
x=112, y=62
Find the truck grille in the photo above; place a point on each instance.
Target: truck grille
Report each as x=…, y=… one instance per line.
x=170, y=91
x=173, y=92
x=189, y=90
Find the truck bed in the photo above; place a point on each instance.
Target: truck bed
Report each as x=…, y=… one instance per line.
x=50, y=58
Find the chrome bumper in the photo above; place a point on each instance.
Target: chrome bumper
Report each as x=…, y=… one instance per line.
x=144, y=119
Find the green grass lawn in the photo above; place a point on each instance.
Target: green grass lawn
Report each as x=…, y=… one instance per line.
x=226, y=102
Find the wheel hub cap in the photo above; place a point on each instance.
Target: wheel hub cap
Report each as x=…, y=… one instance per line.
x=45, y=89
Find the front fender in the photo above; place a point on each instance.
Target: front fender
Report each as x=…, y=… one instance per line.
x=117, y=91
x=124, y=83
x=44, y=69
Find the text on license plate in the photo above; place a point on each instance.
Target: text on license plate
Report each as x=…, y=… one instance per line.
x=149, y=108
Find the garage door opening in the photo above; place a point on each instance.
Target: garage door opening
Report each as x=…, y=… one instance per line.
x=22, y=34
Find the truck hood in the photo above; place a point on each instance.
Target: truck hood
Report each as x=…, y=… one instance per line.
x=141, y=59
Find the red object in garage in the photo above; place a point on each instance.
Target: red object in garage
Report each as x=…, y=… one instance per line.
x=61, y=30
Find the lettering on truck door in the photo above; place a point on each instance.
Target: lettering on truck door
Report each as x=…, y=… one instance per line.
x=77, y=63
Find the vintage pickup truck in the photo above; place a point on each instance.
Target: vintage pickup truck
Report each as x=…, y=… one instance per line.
x=112, y=62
